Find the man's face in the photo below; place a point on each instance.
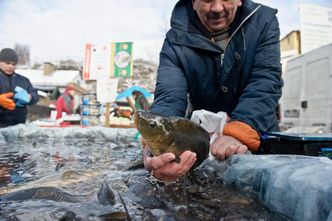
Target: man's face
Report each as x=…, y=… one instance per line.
x=216, y=15
x=71, y=92
x=8, y=67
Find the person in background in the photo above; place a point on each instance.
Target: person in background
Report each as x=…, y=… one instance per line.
x=65, y=103
x=16, y=91
x=219, y=55
x=141, y=103
x=55, y=94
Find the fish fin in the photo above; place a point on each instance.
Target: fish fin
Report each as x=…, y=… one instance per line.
x=125, y=207
x=105, y=194
x=136, y=165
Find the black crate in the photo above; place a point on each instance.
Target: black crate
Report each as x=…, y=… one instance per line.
x=311, y=144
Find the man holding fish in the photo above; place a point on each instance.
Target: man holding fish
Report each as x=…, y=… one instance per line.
x=219, y=55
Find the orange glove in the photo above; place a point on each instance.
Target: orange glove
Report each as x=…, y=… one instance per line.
x=6, y=102
x=244, y=133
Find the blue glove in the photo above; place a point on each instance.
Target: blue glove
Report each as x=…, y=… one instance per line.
x=21, y=96
x=18, y=104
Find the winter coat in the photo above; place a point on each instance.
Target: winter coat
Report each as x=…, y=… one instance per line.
x=65, y=104
x=244, y=81
x=8, y=84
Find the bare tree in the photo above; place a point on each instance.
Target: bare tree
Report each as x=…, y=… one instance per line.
x=23, y=52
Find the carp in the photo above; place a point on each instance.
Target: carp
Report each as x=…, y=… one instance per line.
x=172, y=134
x=105, y=195
x=47, y=193
x=55, y=180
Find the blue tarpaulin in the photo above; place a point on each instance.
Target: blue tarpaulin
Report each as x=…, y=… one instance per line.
x=129, y=91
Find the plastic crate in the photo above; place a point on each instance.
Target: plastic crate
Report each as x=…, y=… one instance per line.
x=311, y=144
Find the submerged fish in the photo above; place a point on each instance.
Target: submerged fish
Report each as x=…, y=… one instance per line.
x=47, y=193
x=105, y=195
x=172, y=134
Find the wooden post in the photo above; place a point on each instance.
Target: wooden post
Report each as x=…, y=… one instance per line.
x=107, y=114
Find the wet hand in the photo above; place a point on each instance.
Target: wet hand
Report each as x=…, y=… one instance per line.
x=226, y=146
x=165, y=169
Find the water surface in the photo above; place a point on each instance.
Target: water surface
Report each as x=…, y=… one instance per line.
x=80, y=166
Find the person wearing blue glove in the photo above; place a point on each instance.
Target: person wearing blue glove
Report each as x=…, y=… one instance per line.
x=16, y=91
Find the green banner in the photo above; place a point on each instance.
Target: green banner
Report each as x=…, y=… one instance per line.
x=122, y=61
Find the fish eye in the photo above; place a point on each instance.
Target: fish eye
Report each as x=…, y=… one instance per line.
x=152, y=124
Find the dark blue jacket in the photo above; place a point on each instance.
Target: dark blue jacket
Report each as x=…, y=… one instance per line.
x=8, y=84
x=244, y=81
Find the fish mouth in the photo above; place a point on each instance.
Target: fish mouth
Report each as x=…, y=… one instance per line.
x=139, y=115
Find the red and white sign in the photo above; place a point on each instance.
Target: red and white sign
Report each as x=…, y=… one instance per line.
x=97, y=61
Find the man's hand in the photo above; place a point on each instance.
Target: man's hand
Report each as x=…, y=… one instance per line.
x=226, y=146
x=163, y=168
x=6, y=101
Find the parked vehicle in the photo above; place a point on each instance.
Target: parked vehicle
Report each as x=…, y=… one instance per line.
x=306, y=103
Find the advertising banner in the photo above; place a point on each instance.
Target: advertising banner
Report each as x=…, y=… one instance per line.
x=107, y=89
x=122, y=62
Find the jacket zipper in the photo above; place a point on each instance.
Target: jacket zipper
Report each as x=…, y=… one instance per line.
x=224, y=88
x=236, y=30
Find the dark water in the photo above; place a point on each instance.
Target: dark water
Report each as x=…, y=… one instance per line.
x=79, y=167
